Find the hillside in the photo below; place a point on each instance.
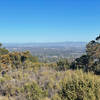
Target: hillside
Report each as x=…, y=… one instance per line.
x=24, y=77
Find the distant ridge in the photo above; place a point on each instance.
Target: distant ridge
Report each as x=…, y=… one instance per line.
x=49, y=44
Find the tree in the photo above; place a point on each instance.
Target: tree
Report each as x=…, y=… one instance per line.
x=98, y=38
x=80, y=63
x=0, y=45
x=90, y=61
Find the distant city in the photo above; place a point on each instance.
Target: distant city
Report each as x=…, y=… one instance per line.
x=50, y=52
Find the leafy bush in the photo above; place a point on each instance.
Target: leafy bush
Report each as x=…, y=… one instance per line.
x=56, y=97
x=63, y=65
x=3, y=51
x=80, y=86
x=33, y=92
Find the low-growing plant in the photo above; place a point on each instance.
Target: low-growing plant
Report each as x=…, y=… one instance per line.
x=80, y=86
x=33, y=92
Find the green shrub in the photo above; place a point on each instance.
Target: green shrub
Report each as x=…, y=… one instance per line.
x=63, y=65
x=56, y=97
x=33, y=92
x=80, y=86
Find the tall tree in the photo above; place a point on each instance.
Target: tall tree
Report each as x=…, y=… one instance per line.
x=98, y=38
x=0, y=45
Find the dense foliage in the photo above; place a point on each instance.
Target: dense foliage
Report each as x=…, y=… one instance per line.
x=90, y=61
x=63, y=65
x=3, y=50
x=81, y=86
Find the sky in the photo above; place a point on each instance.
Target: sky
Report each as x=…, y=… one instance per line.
x=24, y=21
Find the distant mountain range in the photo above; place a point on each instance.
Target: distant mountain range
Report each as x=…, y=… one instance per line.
x=52, y=44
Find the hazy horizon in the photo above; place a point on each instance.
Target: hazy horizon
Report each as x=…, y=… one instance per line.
x=44, y=42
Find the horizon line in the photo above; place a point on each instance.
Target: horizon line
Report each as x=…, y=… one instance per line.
x=41, y=42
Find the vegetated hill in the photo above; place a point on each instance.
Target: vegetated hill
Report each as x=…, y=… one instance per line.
x=50, y=52
x=23, y=77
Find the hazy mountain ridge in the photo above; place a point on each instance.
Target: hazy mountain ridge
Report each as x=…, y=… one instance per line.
x=51, y=44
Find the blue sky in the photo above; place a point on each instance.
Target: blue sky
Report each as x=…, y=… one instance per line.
x=49, y=20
